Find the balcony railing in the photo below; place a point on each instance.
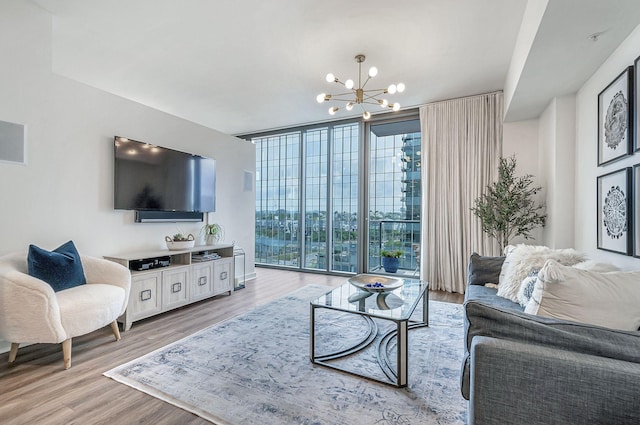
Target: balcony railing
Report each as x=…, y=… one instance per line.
x=394, y=235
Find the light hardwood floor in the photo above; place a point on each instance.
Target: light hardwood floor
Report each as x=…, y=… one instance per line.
x=36, y=389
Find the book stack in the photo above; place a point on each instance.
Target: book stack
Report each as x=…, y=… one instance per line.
x=204, y=256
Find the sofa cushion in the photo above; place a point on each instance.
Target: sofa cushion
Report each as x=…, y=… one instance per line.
x=60, y=268
x=610, y=299
x=524, y=258
x=483, y=269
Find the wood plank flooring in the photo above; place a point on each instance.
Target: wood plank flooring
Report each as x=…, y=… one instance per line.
x=36, y=389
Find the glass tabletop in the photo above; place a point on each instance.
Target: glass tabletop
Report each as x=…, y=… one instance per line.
x=398, y=304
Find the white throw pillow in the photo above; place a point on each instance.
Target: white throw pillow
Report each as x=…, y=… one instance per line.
x=525, y=258
x=526, y=287
x=610, y=299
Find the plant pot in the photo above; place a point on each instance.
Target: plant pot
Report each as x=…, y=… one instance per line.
x=212, y=239
x=390, y=264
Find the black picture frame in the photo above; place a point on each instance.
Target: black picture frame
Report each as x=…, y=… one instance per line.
x=614, y=215
x=636, y=95
x=635, y=208
x=615, y=118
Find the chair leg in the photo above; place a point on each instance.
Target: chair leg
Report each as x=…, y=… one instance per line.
x=66, y=353
x=13, y=352
x=116, y=331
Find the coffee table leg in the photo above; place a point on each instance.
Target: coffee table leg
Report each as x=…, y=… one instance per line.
x=403, y=353
x=425, y=307
x=312, y=333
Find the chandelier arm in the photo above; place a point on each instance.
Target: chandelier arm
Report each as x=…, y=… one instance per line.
x=366, y=81
x=379, y=91
x=341, y=94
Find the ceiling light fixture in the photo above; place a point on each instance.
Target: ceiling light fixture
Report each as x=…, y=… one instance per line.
x=360, y=96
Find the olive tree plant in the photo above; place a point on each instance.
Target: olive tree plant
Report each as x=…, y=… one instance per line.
x=507, y=208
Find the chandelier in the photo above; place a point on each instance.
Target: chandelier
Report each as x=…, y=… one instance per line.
x=360, y=96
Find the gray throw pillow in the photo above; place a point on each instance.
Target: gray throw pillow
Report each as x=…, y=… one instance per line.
x=484, y=269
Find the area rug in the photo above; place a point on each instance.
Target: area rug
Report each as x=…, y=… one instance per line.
x=255, y=369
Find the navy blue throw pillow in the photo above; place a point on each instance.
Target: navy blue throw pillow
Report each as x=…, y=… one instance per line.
x=60, y=268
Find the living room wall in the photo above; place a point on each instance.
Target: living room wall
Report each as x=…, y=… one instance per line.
x=587, y=170
x=65, y=190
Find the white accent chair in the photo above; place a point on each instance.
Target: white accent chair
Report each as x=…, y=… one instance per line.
x=31, y=312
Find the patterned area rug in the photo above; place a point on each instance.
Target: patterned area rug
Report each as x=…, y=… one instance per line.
x=255, y=369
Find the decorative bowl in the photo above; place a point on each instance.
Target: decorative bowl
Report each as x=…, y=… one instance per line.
x=180, y=245
x=375, y=283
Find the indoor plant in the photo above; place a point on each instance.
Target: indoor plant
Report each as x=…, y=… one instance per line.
x=213, y=233
x=391, y=260
x=508, y=208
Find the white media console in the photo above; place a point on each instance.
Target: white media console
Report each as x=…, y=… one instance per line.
x=192, y=275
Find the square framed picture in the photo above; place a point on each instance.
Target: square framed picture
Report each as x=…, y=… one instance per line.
x=614, y=211
x=635, y=207
x=615, y=118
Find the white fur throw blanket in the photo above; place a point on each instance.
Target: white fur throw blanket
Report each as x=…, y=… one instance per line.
x=525, y=258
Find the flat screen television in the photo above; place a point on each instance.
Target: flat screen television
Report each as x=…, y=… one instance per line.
x=153, y=178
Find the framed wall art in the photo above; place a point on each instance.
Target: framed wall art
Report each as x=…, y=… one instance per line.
x=636, y=91
x=614, y=211
x=635, y=207
x=615, y=118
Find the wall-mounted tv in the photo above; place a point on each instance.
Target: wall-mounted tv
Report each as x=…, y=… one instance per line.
x=153, y=178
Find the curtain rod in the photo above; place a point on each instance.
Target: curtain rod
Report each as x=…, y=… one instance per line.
x=461, y=97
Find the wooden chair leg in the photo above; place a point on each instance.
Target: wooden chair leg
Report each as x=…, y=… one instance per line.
x=13, y=352
x=66, y=353
x=115, y=329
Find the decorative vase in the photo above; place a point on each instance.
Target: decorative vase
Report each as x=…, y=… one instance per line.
x=212, y=239
x=390, y=264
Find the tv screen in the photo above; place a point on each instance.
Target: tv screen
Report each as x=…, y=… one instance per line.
x=153, y=178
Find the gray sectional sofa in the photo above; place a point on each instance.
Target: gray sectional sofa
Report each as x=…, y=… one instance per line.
x=525, y=369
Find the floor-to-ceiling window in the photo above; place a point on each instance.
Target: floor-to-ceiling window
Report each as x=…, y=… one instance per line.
x=318, y=208
x=278, y=199
x=394, y=197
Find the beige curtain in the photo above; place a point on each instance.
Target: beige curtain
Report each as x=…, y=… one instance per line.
x=461, y=147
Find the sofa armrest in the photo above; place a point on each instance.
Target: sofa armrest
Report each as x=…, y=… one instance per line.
x=484, y=319
x=489, y=320
x=547, y=385
x=99, y=270
x=29, y=310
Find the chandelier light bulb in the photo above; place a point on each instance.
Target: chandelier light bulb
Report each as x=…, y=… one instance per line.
x=348, y=84
x=400, y=87
x=349, y=106
x=383, y=103
x=396, y=106
x=373, y=71
x=320, y=98
x=330, y=78
x=332, y=111
x=366, y=115
x=392, y=89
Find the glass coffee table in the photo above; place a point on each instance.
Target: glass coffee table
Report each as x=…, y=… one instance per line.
x=396, y=305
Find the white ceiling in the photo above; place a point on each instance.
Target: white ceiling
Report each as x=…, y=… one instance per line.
x=242, y=66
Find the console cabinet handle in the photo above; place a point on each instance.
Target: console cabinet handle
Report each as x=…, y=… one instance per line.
x=145, y=295
x=176, y=287
x=202, y=280
x=223, y=275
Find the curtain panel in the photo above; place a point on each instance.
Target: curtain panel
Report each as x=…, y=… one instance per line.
x=461, y=147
